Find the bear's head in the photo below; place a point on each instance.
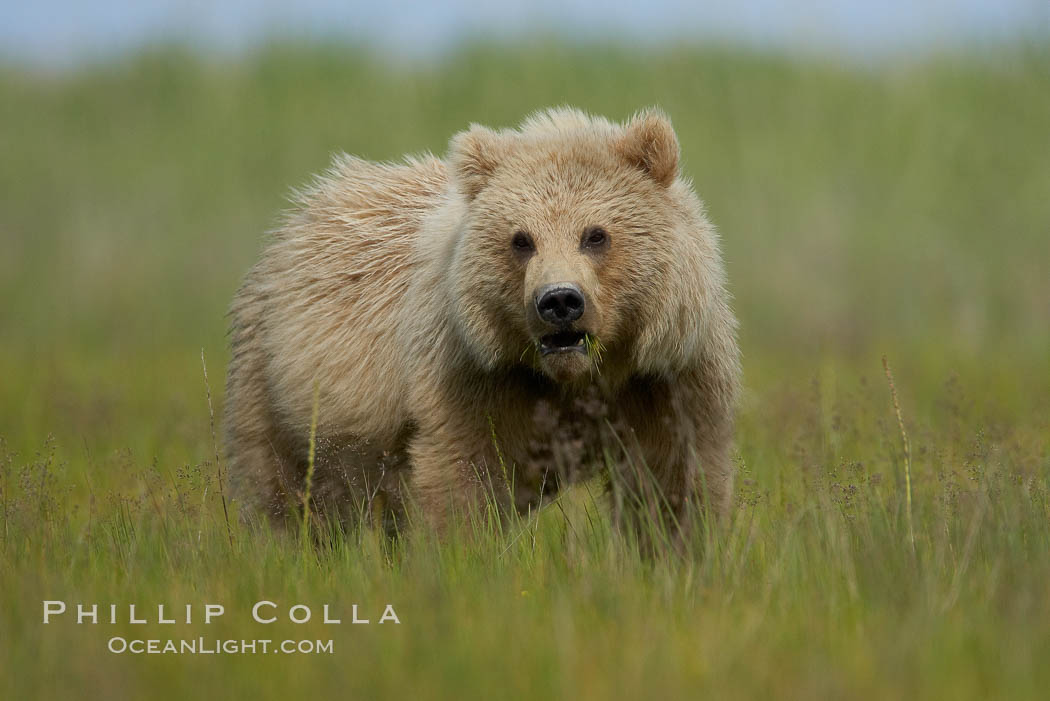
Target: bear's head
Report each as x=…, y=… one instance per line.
x=579, y=249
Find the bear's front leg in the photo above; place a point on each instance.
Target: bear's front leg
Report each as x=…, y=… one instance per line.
x=456, y=474
x=676, y=469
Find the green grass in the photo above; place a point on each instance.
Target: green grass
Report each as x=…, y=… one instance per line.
x=897, y=210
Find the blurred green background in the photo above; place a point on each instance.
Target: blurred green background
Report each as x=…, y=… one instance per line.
x=898, y=210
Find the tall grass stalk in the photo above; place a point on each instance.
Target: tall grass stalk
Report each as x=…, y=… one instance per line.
x=310, y=460
x=907, y=450
x=215, y=451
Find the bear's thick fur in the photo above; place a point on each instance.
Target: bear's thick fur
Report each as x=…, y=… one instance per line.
x=546, y=302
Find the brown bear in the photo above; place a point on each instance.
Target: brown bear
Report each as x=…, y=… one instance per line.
x=546, y=303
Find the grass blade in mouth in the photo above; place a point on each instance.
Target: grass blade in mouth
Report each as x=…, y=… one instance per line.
x=595, y=348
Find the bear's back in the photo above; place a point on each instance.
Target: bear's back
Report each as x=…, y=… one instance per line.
x=332, y=285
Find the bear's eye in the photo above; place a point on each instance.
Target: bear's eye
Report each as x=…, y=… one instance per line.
x=522, y=242
x=595, y=237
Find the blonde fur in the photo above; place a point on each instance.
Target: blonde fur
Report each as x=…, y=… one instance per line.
x=397, y=292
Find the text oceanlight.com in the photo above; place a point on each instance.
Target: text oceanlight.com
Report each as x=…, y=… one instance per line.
x=203, y=646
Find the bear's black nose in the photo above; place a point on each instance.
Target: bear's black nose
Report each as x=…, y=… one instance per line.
x=560, y=303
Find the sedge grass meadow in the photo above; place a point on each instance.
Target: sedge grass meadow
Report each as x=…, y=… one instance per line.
x=897, y=210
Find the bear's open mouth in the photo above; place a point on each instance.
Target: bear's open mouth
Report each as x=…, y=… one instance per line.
x=563, y=342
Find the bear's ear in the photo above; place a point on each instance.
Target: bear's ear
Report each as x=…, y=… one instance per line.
x=474, y=155
x=649, y=143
